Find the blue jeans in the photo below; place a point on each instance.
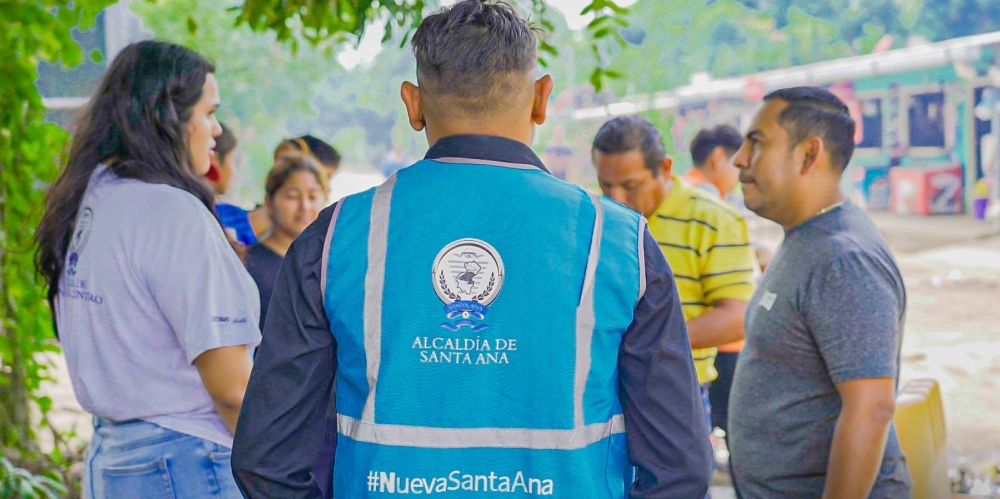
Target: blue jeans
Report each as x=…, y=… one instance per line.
x=140, y=459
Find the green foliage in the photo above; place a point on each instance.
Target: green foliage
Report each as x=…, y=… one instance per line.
x=319, y=22
x=18, y=483
x=861, y=21
x=33, y=31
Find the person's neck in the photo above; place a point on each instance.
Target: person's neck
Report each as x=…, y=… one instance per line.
x=814, y=205
x=714, y=182
x=661, y=197
x=504, y=129
x=278, y=241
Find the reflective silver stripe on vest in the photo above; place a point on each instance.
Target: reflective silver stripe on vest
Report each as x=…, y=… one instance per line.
x=327, y=242
x=378, y=232
x=464, y=438
x=472, y=161
x=585, y=316
x=642, y=257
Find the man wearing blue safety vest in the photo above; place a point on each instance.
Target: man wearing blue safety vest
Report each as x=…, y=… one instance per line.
x=474, y=327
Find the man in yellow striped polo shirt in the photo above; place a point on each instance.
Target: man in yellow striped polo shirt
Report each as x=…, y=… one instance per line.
x=704, y=240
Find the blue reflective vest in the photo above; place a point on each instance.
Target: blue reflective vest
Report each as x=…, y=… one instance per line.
x=478, y=308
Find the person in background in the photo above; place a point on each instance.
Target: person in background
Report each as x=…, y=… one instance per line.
x=558, y=154
x=154, y=310
x=815, y=386
x=294, y=193
x=711, y=154
x=705, y=241
x=324, y=153
x=220, y=175
x=306, y=145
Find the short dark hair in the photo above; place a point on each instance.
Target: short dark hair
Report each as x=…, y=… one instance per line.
x=313, y=146
x=815, y=111
x=630, y=133
x=475, y=51
x=225, y=143
x=724, y=136
x=323, y=151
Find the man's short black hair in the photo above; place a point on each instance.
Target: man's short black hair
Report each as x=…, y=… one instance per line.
x=631, y=133
x=324, y=152
x=477, y=50
x=815, y=111
x=707, y=140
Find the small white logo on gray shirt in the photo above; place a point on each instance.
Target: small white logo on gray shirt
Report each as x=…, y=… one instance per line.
x=767, y=300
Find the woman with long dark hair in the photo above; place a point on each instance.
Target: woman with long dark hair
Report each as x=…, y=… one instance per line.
x=154, y=309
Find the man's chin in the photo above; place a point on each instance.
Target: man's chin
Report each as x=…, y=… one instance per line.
x=753, y=206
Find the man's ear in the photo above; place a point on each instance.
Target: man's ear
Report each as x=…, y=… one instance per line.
x=410, y=94
x=666, y=168
x=540, y=104
x=812, y=150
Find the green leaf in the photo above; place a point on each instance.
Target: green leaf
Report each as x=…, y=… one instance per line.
x=597, y=21
x=96, y=56
x=596, y=79
x=44, y=404
x=192, y=26
x=616, y=8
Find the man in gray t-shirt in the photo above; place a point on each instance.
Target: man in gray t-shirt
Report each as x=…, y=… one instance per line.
x=814, y=392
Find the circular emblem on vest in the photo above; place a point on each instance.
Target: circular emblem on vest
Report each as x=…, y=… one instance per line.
x=467, y=276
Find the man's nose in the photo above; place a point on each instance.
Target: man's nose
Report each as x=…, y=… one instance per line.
x=617, y=194
x=742, y=158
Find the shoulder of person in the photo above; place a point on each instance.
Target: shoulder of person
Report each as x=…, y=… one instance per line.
x=617, y=212
x=159, y=206
x=710, y=208
x=165, y=196
x=843, y=255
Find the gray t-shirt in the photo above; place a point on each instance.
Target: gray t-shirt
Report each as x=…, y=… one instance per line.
x=150, y=283
x=830, y=309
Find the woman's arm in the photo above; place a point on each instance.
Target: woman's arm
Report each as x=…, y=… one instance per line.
x=225, y=372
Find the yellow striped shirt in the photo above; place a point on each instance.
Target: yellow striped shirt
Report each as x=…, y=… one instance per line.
x=708, y=247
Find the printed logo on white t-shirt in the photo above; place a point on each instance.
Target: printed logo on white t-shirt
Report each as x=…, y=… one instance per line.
x=72, y=286
x=80, y=234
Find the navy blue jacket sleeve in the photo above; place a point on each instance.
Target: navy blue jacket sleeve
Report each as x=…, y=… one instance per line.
x=664, y=419
x=277, y=449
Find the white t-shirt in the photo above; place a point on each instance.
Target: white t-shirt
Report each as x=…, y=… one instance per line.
x=149, y=284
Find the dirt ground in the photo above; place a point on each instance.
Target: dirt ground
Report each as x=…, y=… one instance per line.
x=952, y=333
x=953, y=336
